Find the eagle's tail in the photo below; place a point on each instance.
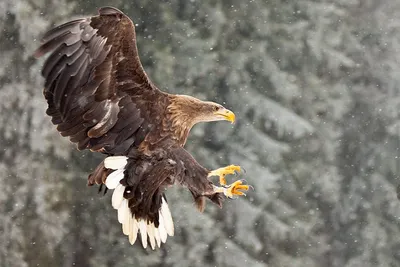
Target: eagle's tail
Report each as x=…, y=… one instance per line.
x=155, y=231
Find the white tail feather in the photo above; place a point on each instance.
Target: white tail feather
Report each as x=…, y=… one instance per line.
x=118, y=196
x=169, y=224
x=162, y=230
x=125, y=229
x=134, y=232
x=157, y=236
x=143, y=232
x=115, y=163
x=122, y=211
x=113, y=179
x=150, y=232
x=130, y=226
x=126, y=224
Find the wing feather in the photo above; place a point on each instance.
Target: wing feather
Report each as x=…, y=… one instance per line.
x=64, y=38
x=97, y=91
x=60, y=30
x=73, y=129
x=54, y=58
x=81, y=135
x=107, y=122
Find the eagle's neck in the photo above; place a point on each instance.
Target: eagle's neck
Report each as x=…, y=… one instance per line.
x=181, y=133
x=182, y=116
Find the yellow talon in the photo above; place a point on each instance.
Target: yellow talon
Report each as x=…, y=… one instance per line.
x=221, y=172
x=234, y=189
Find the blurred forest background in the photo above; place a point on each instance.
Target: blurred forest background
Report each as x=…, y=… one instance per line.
x=315, y=86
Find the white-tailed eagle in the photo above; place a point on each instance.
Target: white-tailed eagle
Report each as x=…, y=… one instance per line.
x=101, y=98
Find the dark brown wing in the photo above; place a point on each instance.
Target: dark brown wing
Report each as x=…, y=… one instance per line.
x=95, y=86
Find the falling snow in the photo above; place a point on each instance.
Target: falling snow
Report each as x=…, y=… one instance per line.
x=316, y=91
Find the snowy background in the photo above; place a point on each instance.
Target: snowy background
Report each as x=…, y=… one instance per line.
x=315, y=86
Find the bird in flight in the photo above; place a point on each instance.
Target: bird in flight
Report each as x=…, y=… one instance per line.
x=99, y=96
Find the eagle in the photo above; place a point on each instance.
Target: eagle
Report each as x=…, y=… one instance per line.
x=99, y=96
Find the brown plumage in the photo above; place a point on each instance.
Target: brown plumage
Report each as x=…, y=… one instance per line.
x=101, y=98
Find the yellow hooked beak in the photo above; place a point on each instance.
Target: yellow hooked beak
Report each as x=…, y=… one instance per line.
x=226, y=114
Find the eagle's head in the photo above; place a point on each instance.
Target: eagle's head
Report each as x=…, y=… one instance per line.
x=211, y=111
x=193, y=110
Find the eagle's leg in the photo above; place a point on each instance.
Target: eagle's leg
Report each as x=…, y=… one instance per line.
x=222, y=172
x=234, y=189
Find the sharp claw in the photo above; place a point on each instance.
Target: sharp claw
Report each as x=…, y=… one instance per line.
x=238, y=193
x=244, y=170
x=236, y=168
x=242, y=187
x=243, y=181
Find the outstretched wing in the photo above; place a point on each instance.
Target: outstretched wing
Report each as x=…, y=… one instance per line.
x=95, y=86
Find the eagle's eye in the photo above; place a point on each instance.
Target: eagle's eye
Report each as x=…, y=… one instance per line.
x=216, y=108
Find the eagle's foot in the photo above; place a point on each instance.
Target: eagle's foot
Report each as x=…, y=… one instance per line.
x=222, y=172
x=234, y=189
